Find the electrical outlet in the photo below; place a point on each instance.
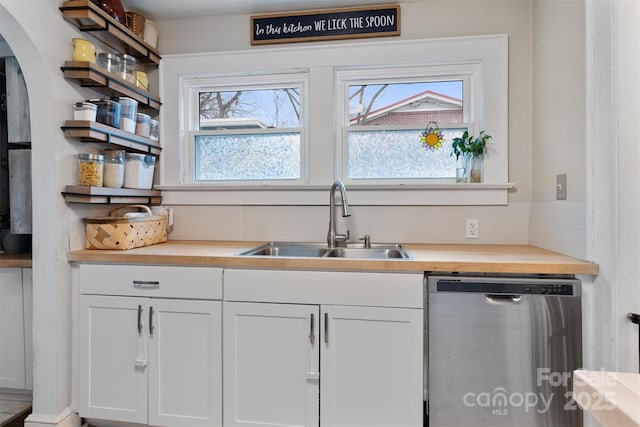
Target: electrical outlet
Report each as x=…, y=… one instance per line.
x=472, y=229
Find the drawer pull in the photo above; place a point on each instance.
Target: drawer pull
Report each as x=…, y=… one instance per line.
x=146, y=284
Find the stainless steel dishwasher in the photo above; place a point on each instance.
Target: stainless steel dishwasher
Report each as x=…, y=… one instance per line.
x=501, y=350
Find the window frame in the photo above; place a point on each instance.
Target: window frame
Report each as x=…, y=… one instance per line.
x=321, y=60
x=194, y=86
x=468, y=72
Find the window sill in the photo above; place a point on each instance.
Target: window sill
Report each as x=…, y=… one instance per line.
x=423, y=195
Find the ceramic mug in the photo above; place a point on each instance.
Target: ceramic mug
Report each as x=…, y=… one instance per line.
x=83, y=51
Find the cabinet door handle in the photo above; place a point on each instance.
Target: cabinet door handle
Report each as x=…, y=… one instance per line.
x=146, y=284
x=139, y=318
x=326, y=328
x=312, y=333
x=151, y=327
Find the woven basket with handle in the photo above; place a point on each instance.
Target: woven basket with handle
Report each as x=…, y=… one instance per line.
x=127, y=231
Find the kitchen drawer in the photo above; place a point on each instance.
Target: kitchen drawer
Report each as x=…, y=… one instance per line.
x=151, y=281
x=325, y=287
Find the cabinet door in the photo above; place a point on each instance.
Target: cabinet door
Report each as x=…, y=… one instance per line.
x=270, y=364
x=27, y=295
x=113, y=372
x=12, y=355
x=185, y=363
x=371, y=366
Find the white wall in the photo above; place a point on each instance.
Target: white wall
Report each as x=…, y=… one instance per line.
x=558, y=125
x=41, y=41
x=432, y=19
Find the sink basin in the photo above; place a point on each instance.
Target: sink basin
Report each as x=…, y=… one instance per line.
x=289, y=249
x=321, y=250
x=395, y=252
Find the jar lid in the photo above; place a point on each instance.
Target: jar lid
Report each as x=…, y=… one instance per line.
x=104, y=102
x=109, y=56
x=127, y=100
x=88, y=105
x=146, y=158
x=144, y=116
x=90, y=156
x=126, y=57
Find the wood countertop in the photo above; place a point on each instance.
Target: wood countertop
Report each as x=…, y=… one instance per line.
x=611, y=397
x=15, y=260
x=522, y=259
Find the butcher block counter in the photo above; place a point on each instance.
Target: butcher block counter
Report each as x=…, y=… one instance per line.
x=481, y=258
x=15, y=260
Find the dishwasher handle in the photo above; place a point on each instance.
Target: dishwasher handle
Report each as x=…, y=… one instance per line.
x=503, y=299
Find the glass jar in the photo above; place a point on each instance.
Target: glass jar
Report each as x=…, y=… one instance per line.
x=128, y=67
x=154, y=130
x=129, y=108
x=113, y=168
x=90, y=169
x=138, y=170
x=108, y=112
x=110, y=62
x=143, y=122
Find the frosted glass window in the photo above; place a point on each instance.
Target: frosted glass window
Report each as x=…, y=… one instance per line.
x=398, y=154
x=247, y=157
x=386, y=118
x=247, y=130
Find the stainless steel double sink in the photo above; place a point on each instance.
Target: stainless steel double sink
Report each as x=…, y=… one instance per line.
x=375, y=251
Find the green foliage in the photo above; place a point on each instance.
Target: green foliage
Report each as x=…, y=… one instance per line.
x=470, y=145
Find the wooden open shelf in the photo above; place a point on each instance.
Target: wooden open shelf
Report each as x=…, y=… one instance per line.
x=91, y=75
x=88, y=17
x=95, y=132
x=106, y=195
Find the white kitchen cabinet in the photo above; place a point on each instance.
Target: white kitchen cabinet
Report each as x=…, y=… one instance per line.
x=271, y=364
x=371, y=366
x=15, y=328
x=370, y=357
x=150, y=359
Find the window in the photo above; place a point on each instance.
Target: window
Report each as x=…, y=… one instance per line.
x=385, y=114
x=247, y=130
x=337, y=116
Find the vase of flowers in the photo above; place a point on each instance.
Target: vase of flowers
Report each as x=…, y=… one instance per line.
x=469, y=152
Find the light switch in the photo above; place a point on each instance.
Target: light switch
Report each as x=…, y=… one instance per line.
x=561, y=187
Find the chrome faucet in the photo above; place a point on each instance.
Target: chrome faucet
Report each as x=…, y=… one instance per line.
x=332, y=236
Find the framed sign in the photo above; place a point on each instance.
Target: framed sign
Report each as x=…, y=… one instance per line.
x=332, y=24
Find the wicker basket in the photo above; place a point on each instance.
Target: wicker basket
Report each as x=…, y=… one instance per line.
x=135, y=22
x=126, y=232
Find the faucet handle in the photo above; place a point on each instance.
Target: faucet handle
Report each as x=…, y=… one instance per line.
x=367, y=241
x=343, y=237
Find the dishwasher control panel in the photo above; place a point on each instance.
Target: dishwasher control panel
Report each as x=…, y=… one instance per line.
x=561, y=287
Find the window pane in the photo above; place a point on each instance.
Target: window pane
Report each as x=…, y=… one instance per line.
x=250, y=109
x=398, y=154
x=405, y=103
x=247, y=157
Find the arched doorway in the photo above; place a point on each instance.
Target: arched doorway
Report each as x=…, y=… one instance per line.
x=52, y=310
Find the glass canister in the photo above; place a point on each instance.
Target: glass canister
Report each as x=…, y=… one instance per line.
x=128, y=67
x=110, y=62
x=143, y=123
x=113, y=168
x=109, y=112
x=90, y=169
x=129, y=108
x=138, y=170
x=154, y=130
